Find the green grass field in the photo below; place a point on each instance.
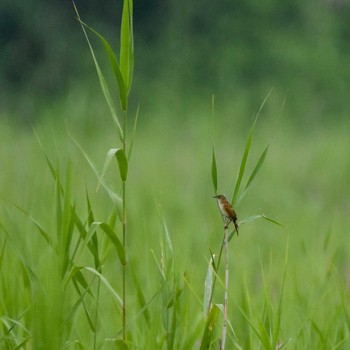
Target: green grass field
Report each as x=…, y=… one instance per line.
x=303, y=184
x=104, y=248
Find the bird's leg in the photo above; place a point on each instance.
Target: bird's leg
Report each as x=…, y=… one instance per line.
x=227, y=222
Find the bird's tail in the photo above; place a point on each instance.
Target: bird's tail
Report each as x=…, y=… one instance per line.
x=235, y=222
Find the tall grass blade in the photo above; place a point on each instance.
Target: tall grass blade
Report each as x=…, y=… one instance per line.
x=115, y=65
x=168, y=239
x=254, y=173
x=94, y=240
x=214, y=172
x=42, y=231
x=278, y=313
x=257, y=167
x=246, y=153
x=322, y=335
x=58, y=207
x=264, y=336
x=87, y=238
x=210, y=327
x=69, y=238
x=208, y=287
x=102, y=80
x=81, y=301
x=49, y=163
x=173, y=327
x=127, y=45
x=28, y=270
x=243, y=164
x=89, y=208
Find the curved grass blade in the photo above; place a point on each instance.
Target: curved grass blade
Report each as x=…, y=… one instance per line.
x=107, y=284
x=102, y=80
x=110, y=155
x=257, y=167
x=79, y=278
x=115, y=65
x=113, y=195
x=273, y=221
x=246, y=153
x=254, y=173
x=114, y=294
x=115, y=241
x=253, y=218
x=261, y=216
x=243, y=164
x=42, y=231
x=111, y=235
x=119, y=154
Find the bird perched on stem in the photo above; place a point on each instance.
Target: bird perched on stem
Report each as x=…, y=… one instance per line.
x=227, y=211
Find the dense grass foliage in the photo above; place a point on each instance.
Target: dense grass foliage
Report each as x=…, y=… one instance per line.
x=291, y=284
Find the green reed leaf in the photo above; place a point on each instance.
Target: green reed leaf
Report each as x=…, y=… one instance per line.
x=214, y=172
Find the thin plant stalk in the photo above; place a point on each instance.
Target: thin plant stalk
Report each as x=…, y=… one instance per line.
x=96, y=311
x=224, y=327
x=216, y=270
x=124, y=236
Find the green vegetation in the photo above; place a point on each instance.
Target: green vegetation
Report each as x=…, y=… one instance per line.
x=303, y=184
x=64, y=265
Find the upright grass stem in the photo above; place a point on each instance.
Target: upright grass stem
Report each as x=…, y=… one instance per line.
x=215, y=275
x=124, y=233
x=224, y=328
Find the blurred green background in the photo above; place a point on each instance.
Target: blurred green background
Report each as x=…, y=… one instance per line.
x=186, y=51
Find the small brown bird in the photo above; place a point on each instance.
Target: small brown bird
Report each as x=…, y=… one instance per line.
x=227, y=211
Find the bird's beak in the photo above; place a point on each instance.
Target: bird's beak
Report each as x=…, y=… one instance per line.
x=215, y=196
